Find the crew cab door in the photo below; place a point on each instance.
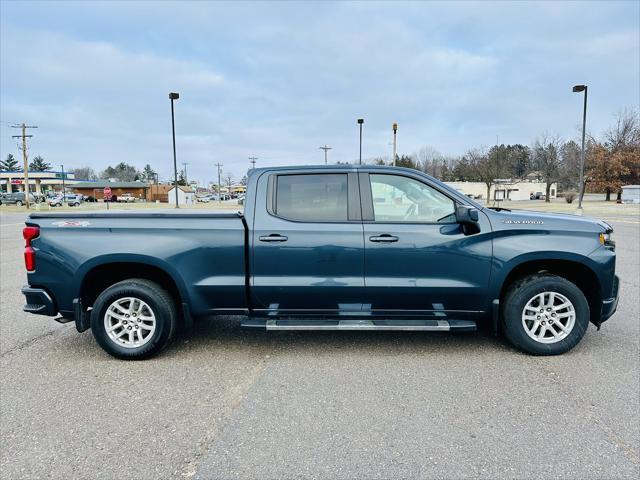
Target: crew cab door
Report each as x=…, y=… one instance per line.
x=307, y=241
x=418, y=259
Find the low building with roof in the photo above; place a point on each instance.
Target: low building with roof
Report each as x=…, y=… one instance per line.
x=139, y=190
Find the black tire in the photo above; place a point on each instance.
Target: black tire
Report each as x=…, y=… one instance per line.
x=18, y=203
x=159, y=301
x=516, y=299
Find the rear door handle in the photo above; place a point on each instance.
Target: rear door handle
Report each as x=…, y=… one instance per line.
x=274, y=237
x=385, y=237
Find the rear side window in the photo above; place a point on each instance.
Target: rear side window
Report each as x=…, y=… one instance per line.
x=312, y=198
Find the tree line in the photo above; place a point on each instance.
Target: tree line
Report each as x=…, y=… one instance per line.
x=611, y=161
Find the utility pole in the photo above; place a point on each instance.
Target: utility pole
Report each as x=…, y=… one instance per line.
x=64, y=187
x=24, y=137
x=325, y=148
x=252, y=160
x=395, y=131
x=219, y=165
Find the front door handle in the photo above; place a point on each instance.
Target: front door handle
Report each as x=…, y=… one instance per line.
x=385, y=237
x=274, y=237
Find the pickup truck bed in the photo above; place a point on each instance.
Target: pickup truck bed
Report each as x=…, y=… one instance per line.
x=204, y=251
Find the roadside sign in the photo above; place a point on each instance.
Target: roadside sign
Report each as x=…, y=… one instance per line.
x=106, y=193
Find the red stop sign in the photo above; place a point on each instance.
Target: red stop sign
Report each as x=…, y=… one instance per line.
x=106, y=193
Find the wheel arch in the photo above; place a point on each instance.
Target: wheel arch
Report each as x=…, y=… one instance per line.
x=103, y=272
x=577, y=272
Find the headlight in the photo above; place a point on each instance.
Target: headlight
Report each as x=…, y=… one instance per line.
x=606, y=239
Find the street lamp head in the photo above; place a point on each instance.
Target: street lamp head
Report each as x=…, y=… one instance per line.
x=579, y=88
x=174, y=96
x=395, y=127
x=361, y=121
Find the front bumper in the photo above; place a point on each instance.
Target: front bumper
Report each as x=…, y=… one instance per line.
x=609, y=305
x=39, y=301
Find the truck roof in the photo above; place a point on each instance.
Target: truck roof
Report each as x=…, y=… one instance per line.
x=347, y=167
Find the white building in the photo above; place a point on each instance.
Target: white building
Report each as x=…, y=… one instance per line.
x=186, y=196
x=505, y=189
x=39, y=182
x=631, y=194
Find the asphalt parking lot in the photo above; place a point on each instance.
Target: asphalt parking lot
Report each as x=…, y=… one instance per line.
x=229, y=403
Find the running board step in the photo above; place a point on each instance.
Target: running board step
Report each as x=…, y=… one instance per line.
x=366, y=325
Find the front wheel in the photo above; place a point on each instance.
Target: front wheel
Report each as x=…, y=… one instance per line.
x=133, y=319
x=545, y=314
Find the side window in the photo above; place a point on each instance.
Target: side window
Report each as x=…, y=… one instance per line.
x=403, y=199
x=312, y=198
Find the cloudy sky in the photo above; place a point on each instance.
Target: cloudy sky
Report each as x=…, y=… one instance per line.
x=277, y=80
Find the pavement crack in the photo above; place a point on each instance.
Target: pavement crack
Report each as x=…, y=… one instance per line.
x=28, y=343
x=190, y=468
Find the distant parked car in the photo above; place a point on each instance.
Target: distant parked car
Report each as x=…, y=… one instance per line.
x=126, y=198
x=17, y=198
x=74, y=200
x=537, y=196
x=205, y=198
x=55, y=201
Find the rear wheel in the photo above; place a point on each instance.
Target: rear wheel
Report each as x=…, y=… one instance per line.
x=545, y=314
x=133, y=319
x=18, y=203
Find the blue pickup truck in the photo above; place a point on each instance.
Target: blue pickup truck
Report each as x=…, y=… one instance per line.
x=326, y=248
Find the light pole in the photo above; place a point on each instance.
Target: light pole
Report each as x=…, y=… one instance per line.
x=395, y=131
x=577, y=89
x=325, y=148
x=186, y=178
x=174, y=96
x=360, y=122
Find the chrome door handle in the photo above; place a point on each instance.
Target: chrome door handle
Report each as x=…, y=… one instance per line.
x=385, y=237
x=274, y=237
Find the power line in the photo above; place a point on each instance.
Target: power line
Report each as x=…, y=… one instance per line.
x=325, y=148
x=24, y=137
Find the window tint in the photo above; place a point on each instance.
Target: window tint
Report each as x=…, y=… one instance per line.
x=403, y=199
x=312, y=198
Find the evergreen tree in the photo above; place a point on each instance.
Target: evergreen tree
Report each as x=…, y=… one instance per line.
x=10, y=165
x=39, y=165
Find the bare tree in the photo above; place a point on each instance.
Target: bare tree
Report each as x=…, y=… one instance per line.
x=547, y=161
x=625, y=133
x=84, y=173
x=430, y=161
x=481, y=168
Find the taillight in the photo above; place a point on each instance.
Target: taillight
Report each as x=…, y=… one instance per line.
x=29, y=233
